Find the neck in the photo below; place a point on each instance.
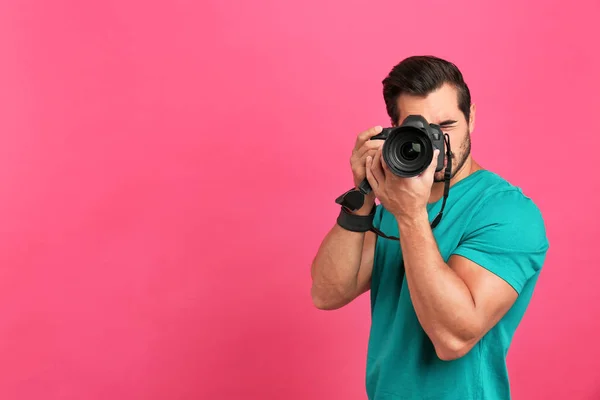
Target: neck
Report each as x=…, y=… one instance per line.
x=437, y=190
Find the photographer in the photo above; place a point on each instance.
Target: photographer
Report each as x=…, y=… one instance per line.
x=451, y=255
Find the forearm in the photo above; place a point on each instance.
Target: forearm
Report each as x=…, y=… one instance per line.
x=336, y=267
x=442, y=301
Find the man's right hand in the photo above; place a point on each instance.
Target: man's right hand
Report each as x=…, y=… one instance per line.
x=363, y=148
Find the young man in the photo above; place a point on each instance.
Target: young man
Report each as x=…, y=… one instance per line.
x=445, y=301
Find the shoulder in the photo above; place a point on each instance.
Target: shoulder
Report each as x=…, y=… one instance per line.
x=506, y=233
x=505, y=211
x=501, y=199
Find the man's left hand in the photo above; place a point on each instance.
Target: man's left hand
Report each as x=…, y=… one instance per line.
x=403, y=197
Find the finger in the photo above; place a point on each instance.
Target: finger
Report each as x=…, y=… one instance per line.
x=358, y=160
x=366, y=135
x=369, y=147
x=381, y=161
x=433, y=165
x=370, y=177
x=434, y=162
x=377, y=169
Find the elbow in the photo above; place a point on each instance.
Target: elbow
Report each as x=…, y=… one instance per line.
x=323, y=305
x=326, y=301
x=318, y=300
x=452, y=347
x=451, y=352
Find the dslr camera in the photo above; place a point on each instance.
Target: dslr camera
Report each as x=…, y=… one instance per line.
x=408, y=148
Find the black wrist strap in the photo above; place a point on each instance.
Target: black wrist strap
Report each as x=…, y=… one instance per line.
x=360, y=223
x=356, y=223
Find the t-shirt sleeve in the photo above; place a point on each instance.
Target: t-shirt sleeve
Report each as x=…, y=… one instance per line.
x=507, y=236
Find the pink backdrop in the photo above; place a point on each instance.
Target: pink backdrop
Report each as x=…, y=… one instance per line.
x=168, y=170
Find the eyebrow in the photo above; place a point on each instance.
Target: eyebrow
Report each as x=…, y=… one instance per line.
x=447, y=122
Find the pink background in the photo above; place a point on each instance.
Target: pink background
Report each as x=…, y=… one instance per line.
x=168, y=170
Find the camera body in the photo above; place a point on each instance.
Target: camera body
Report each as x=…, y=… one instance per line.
x=408, y=148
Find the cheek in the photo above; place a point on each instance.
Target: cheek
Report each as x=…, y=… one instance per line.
x=458, y=142
x=457, y=146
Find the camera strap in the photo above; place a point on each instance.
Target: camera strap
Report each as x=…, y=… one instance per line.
x=364, y=224
x=447, y=176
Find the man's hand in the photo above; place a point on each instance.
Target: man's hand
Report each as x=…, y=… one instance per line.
x=405, y=198
x=364, y=148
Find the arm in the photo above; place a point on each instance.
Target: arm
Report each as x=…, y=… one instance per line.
x=341, y=269
x=456, y=303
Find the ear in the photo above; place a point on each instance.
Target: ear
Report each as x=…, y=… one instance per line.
x=472, y=119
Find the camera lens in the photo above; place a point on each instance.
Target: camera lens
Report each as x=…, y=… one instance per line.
x=410, y=150
x=407, y=151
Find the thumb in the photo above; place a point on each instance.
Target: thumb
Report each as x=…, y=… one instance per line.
x=434, y=161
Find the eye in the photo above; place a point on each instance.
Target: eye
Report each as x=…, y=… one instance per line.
x=448, y=124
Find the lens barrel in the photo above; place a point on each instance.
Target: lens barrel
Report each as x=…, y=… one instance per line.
x=408, y=151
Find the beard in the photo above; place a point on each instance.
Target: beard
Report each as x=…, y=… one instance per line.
x=458, y=159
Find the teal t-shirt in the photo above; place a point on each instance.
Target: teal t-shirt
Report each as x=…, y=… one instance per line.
x=491, y=222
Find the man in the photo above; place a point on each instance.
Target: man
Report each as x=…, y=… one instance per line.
x=445, y=301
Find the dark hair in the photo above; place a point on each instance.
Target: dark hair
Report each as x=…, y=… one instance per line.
x=421, y=75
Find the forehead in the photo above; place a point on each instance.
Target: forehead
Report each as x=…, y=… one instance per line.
x=438, y=106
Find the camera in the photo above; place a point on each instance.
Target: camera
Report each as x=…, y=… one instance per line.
x=408, y=148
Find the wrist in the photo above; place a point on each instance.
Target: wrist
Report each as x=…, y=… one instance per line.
x=366, y=208
x=412, y=219
x=351, y=221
